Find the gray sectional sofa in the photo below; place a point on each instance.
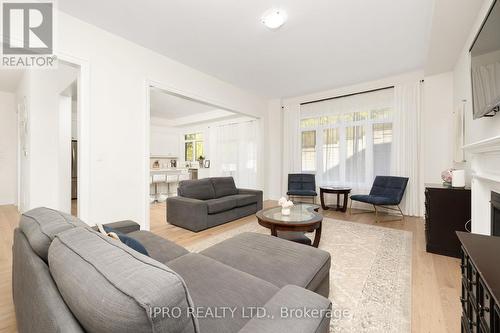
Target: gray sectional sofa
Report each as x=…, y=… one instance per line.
x=206, y=203
x=69, y=278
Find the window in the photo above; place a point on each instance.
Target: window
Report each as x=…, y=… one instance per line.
x=356, y=154
x=382, y=141
x=193, y=146
x=309, y=151
x=331, y=153
x=354, y=135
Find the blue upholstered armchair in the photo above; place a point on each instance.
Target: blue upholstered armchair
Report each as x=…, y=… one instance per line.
x=302, y=185
x=386, y=191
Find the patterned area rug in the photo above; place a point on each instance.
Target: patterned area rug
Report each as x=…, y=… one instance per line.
x=370, y=277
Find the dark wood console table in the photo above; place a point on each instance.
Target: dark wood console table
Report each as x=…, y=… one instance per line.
x=447, y=209
x=334, y=190
x=480, y=283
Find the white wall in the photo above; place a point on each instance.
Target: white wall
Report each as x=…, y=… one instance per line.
x=8, y=149
x=478, y=129
x=165, y=142
x=437, y=126
x=274, y=160
x=118, y=148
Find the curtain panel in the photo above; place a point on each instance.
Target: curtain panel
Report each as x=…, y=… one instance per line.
x=235, y=147
x=406, y=157
x=291, y=144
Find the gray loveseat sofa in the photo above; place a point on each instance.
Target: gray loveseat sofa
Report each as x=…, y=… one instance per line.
x=206, y=203
x=69, y=278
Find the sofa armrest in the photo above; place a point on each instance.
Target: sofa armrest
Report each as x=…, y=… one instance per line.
x=293, y=310
x=187, y=213
x=124, y=227
x=257, y=193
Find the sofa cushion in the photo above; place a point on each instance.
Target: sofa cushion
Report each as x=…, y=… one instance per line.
x=224, y=186
x=244, y=199
x=374, y=199
x=112, y=288
x=201, y=189
x=292, y=297
x=220, y=205
x=214, y=285
x=158, y=248
x=275, y=260
x=303, y=193
x=41, y=225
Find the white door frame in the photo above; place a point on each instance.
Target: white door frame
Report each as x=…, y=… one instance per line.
x=84, y=145
x=148, y=83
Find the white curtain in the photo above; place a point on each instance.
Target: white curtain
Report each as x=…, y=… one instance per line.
x=405, y=146
x=353, y=138
x=291, y=144
x=235, y=150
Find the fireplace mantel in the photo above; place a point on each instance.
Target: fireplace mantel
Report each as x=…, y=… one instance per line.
x=484, y=146
x=484, y=158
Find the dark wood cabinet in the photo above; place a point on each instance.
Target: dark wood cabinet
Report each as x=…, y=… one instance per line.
x=447, y=210
x=480, y=283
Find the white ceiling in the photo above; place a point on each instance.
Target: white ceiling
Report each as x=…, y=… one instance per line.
x=452, y=23
x=324, y=43
x=9, y=79
x=169, y=106
x=173, y=110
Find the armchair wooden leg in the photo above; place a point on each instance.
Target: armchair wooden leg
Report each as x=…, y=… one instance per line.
x=376, y=213
x=350, y=208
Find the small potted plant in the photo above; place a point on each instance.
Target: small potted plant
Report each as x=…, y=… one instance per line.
x=285, y=206
x=201, y=160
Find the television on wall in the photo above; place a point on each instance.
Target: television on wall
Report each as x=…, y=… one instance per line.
x=485, y=65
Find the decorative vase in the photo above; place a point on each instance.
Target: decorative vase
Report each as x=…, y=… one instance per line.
x=447, y=176
x=285, y=211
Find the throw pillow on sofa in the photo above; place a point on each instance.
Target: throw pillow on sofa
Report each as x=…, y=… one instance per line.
x=41, y=225
x=129, y=241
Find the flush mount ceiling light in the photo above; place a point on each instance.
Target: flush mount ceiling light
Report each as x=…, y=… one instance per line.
x=274, y=18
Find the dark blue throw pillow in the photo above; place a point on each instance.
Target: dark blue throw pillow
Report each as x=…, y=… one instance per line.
x=129, y=241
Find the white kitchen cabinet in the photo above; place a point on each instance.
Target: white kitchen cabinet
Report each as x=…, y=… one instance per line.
x=164, y=143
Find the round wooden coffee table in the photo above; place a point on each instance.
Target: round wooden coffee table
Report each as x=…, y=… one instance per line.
x=303, y=218
x=334, y=190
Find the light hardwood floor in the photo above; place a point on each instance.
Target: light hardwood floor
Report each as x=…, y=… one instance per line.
x=435, y=279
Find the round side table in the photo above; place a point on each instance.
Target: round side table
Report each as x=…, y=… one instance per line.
x=334, y=190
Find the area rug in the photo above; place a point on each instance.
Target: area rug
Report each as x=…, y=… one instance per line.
x=370, y=277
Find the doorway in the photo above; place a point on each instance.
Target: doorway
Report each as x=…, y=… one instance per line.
x=50, y=150
x=68, y=109
x=193, y=139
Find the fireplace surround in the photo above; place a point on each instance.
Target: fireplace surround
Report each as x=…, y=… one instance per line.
x=484, y=158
